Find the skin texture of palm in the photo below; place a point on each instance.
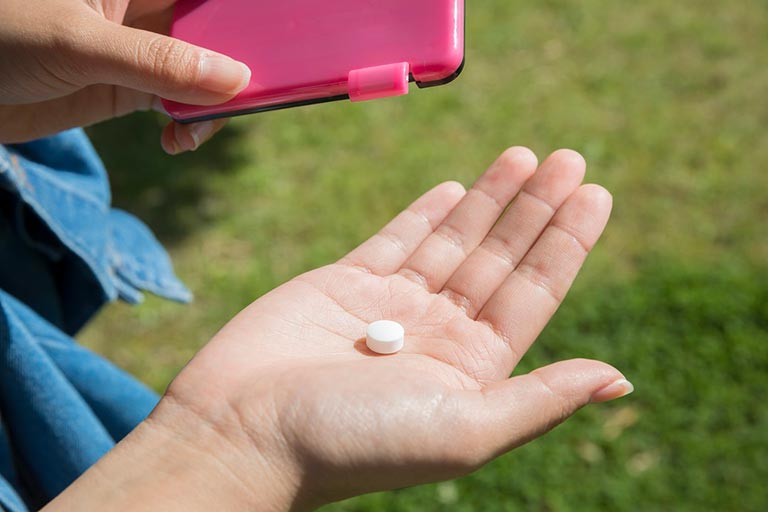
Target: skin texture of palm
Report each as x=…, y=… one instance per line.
x=473, y=279
x=286, y=409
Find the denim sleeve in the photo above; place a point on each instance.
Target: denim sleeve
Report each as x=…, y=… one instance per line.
x=64, y=253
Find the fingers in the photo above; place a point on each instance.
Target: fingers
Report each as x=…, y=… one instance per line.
x=537, y=287
x=109, y=53
x=461, y=232
x=21, y=123
x=522, y=408
x=177, y=137
x=386, y=251
x=512, y=237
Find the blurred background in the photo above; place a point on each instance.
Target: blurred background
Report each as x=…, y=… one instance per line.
x=667, y=101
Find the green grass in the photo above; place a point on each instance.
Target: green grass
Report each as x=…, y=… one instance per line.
x=666, y=100
x=691, y=438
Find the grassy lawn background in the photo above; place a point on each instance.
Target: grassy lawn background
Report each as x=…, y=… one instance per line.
x=667, y=101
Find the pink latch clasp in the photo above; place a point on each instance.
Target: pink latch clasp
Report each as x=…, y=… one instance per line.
x=378, y=82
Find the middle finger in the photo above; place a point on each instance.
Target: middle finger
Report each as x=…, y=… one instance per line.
x=438, y=257
x=512, y=237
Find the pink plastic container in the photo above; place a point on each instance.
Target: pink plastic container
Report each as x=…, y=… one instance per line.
x=311, y=51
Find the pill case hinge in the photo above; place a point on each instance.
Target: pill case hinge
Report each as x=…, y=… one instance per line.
x=379, y=82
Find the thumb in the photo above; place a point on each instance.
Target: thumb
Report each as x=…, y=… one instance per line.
x=170, y=68
x=525, y=407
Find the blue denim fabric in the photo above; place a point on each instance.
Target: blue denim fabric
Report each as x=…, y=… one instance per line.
x=64, y=253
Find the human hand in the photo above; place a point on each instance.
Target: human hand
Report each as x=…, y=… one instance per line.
x=472, y=297
x=70, y=63
x=286, y=409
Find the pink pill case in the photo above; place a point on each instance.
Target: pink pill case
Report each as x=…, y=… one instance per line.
x=313, y=51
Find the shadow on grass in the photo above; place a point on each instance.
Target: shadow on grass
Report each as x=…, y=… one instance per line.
x=171, y=194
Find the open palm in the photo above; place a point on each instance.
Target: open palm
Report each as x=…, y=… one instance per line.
x=473, y=281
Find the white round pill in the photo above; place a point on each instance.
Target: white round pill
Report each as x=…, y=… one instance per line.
x=385, y=337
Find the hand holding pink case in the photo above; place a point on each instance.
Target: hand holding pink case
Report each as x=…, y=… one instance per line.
x=311, y=51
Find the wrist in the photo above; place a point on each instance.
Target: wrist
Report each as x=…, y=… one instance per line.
x=178, y=460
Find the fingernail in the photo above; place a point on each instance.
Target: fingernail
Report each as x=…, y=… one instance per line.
x=222, y=74
x=201, y=132
x=176, y=149
x=618, y=389
x=173, y=149
x=183, y=140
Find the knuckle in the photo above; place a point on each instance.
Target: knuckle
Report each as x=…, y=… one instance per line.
x=394, y=239
x=460, y=300
x=414, y=276
x=561, y=406
x=66, y=41
x=167, y=57
x=575, y=236
x=66, y=27
x=500, y=247
x=490, y=197
x=538, y=274
x=537, y=197
x=453, y=236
